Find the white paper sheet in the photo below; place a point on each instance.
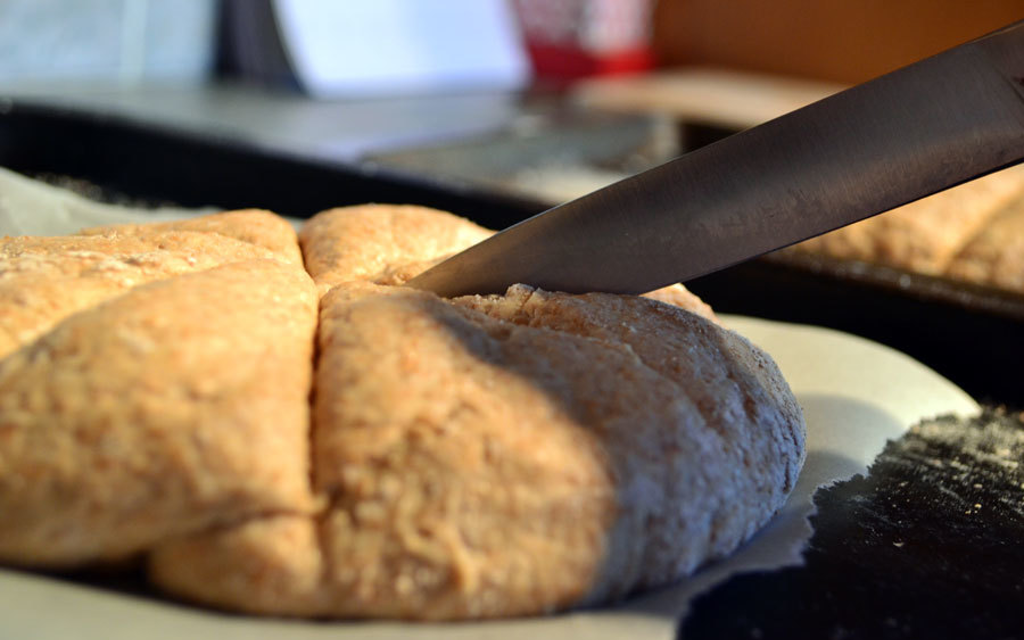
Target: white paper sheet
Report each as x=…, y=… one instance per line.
x=388, y=47
x=31, y=208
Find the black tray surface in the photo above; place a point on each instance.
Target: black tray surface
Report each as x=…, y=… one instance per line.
x=927, y=545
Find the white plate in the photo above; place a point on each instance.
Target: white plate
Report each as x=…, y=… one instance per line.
x=856, y=394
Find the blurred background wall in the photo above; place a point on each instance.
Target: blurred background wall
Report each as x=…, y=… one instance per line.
x=847, y=41
x=124, y=40
x=844, y=41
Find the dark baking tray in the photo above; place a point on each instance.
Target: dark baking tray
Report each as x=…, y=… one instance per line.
x=161, y=164
x=971, y=335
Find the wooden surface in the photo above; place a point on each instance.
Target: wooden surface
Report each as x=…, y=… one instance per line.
x=720, y=97
x=846, y=41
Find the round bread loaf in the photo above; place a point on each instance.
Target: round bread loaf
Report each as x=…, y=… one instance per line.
x=478, y=457
x=501, y=455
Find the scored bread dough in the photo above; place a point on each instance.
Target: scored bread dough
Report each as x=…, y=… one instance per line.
x=500, y=455
x=478, y=457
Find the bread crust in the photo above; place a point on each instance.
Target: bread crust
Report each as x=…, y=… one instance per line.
x=46, y=279
x=387, y=244
x=257, y=227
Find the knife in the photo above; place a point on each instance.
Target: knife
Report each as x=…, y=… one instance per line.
x=926, y=127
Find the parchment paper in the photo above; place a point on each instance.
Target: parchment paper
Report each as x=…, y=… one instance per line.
x=31, y=208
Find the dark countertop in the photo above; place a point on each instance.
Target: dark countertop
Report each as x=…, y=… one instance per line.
x=927, y=545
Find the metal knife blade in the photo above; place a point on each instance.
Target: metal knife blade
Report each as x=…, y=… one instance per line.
x=905, y=135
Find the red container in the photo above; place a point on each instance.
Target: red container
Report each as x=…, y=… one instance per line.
x=569, y=39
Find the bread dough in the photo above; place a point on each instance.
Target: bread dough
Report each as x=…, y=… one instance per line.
x=391, y=244
x=995, y=256
x=177, y=406
x=501, y=455
x=254, y=226
x=469, y=458
x=925, y=235
x=46, y=279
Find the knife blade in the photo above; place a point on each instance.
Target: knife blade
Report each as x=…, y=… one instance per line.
x=908, y=134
